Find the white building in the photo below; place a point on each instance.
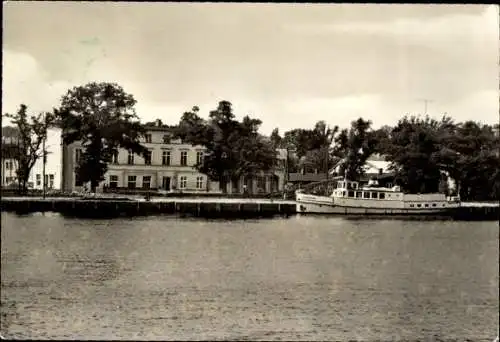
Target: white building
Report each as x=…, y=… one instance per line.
x=52, y=166
x=9, y=164
x=170, y=166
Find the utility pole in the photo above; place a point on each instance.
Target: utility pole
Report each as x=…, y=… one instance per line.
x=44, y=154
x=426, y=102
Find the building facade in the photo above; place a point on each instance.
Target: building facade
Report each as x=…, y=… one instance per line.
x=9, y=164
x=170, y=166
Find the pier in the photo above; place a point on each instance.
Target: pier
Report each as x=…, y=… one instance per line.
x=200, y=207
x=104, y=208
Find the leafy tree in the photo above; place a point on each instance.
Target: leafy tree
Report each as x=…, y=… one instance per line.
x=312, y=146
x=276, y=139
x=32, y=131
x=469, y=153
x=415, y=150
x=233, y=149
x=102, y=117
x=354, y=146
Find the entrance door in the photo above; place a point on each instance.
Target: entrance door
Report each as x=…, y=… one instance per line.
x=166, y=183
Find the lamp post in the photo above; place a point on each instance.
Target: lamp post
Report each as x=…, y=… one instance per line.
x=44, y=154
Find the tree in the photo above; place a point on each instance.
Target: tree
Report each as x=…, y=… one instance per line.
x=469, y=153
x=415, y=152
x=102, y=117
x=233, y=149
x=354, y=146
x=276, y=139
x=313, y=147
x=32, y=131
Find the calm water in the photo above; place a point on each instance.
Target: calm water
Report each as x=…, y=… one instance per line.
x=302, y=278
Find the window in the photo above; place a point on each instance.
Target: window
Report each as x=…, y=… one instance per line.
x=131, y=182
x=147, y=158
x=389, y=185
x=358, y=194
x=199, y=157
x=148, y=138
x=166, y=139
x=374, y=195
x=199, y=182
x=38, y=179
x=165, y=158
x=343, y=193
x=419, y=205
x=146, y=182
x=51, y=181
x=113, y=181
x=78, y=180
x=350, y=193
x=130, y=159
x=46, y=181
x=78, y=155
x=427, y=205
x=412, y=205
x=366, y=195
x=184, y=155
x=114, y=158
x=433, y=204
x=8, y=165
x=183, y=182
x=381, y=195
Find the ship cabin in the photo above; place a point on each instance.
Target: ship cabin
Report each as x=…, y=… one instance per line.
x=351, y=189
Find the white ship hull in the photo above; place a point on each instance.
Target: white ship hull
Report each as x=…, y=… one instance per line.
x=311, y=204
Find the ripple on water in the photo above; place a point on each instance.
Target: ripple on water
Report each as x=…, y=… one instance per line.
x=298, y=279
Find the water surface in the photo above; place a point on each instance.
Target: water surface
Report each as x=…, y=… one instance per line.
x=301, y=278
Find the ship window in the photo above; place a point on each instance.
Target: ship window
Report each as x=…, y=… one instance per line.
x=343, y=193
x=366, y=195
x=382, y=195
x=433, y=204
x=412, y=205
x=443, y=204
x=374, y=195
x=351, y=193
x=426, y=205
x=358, y=194
x=419, y=205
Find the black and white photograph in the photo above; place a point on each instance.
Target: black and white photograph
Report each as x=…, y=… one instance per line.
x=250, y=171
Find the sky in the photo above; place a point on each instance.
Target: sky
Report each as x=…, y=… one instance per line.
x=289, y=65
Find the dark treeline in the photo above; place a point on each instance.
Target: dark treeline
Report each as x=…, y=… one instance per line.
x=422, y=151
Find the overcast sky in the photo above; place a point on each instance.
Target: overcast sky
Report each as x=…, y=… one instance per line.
x=288, y=64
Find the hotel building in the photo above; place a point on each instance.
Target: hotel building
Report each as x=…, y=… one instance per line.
x=169, y=166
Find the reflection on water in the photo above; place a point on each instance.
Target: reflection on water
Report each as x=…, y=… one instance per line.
x=302, y=278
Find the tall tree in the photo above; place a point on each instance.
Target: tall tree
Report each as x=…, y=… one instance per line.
x=469, y=153
x=354, y=146
x=414, y=150
x=102, y=117
x=312, y=147
x=276, y=139
x=32, y=131
x=233, y=148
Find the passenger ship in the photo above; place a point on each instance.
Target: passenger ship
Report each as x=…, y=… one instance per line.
x=350, y=198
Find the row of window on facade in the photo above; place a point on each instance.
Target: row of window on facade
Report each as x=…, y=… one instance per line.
x=166, y=159
x=166, y=139
x=9, y=165
x=146, y=182
x=49, y=180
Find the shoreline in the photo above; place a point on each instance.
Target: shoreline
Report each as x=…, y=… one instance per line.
x=210, y=207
